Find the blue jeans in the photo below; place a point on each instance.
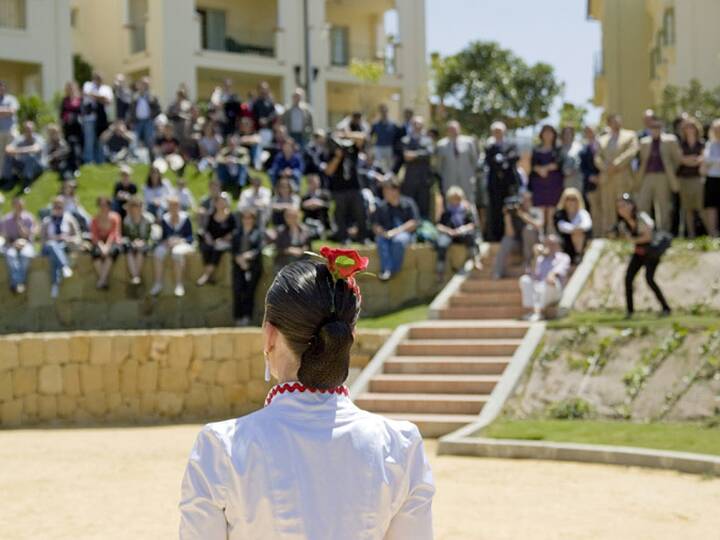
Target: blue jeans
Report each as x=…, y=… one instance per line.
x=27, y=166
x=54, y=250
x=145, y=133
x=18, y=262
x=232, y=175
x=92, y=149
x=392, y=251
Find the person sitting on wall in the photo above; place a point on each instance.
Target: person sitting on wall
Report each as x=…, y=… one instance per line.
x=293, y=239
x=176, y=241
x=316, y=207
x=283, y=199
x=17, y=232
x=287, y=164
x=137, y=234
x=458, y=225
x=217, y=238
x=544, y=286
x=106, y=240
x=256, y=197
x=59, y=233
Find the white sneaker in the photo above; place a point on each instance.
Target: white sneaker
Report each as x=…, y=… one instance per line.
x=535, y=317
x=179, y=290
x=54, y=291
x=67, y=272
x=156, y=289
x=136, y=280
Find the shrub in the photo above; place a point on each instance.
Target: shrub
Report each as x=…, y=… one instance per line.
x=570, y=409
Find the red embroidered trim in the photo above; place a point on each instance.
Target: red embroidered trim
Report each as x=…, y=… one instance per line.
x=299, y=387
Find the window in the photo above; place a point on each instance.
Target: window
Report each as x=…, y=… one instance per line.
x=339, y=46
x=12, y=14
x=137, y=22
x=213, y=31
x=668, y=30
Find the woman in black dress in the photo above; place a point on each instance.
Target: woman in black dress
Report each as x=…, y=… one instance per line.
x=70, y=111
x=247, y=258
x=217, y=239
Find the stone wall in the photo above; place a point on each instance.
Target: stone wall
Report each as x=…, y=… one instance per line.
x=81, y=307
x=138, y=377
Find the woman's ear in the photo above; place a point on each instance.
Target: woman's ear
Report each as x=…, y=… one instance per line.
x=270, y=333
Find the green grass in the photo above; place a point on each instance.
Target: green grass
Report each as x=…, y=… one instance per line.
x=396, y=318
x=686, y=437
x=640, y=319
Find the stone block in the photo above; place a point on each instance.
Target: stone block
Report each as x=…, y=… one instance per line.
x=173, y=380
x=218, y=405
x=79, y=349
x=121, y=345
x=159, y=349
x=248, y=343
x=114, y=401
x=47, y=408
x=243, y=369
x=236, y=394
x=128, y=410
x=195, y=370
x=100, y=349
x=181, y=352
x=9, y=357
x=222, y=346
x=148, y=405
x=140, y=348
x=50, y=379
x=111, y=378
x=11, y=413
x=71, y=380
x=57, y=350
x=257, y=391
x=91, y=379
x=66, y=406
x=202, y=346
x=169, y=404
x=148, y=377
x=30, y=407
x=257, y=368
x=129, y=378
x=38, y=288
x=208, y=371
x=226, y=373
x=6, y=386
x=32, y=351
x=24, y=381
x=95, y=403
x=197, y=400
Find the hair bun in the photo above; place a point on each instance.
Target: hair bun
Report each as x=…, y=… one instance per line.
x=326, y=362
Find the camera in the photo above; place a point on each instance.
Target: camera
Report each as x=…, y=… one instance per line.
x=512, y=204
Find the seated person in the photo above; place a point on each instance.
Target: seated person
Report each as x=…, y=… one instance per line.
x=287, y=164
x=247, y=246
x=166, y=143
x=293, y=239
x=105, y=235
x=73, y=207
x=251, y=141
x=57, y=153
x=117, y=142
x=573, y=223
x=258, y=198
x=458, y=225
x=123, y=190
x=184, y=195
x=523, y=226
x=217, y=237
x=283, y=199
x=207, y=203
x=23, y=157
x=394, y=224
x=209, y=145
x=156, y=191
x=316, y=207
x=232, y=162
x=543, y=287
x=59, y=233
x=18, y=229
x=136, y=237
x=316, y=153
x=176, y=241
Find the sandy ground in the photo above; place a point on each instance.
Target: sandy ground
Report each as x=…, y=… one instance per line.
x=123, y=483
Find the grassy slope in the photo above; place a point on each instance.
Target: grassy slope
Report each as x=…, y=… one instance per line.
x=680, y=437
x=395, y=319
x=642, y=319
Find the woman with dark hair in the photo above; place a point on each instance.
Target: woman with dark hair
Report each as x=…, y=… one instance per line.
x=247, y=257
x=217, y=238
x=649, y=248
x=310, y=464
x=688, y=173
x=546, y=177
x=70, y=111
x=156, y=191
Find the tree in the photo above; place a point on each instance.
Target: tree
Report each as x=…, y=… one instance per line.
x=485, y=82
x=693, y=99
x=82, y=70
x=369, y=73
x=572, y=115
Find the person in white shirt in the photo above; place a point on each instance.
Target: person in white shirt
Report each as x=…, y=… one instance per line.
x=311, y=464
x=8, y=119
x=711, y=166
x=573, y=223
x=257, y=197
x=96, y=96
x=543, y=287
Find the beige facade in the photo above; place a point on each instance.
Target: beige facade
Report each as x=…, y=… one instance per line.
x=200, y=43
x=35, y=46
x=650, y=44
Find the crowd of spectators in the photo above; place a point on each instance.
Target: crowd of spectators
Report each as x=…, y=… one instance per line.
x=377, y=182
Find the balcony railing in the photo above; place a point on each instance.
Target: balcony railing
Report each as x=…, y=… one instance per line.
x=214, y=36
x=13, y=14
x=138, y=39
x=598, y=64
x=343, y=52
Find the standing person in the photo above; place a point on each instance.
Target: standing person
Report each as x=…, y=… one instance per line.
x=543, y=287
x=264, y=113
x=573, y=223
x=382, y=135
x=458, y=225
x=231, y=107
x=639, y=228
x=246, y=472
x=24, y=157
x=70, y=112
x=217, y=237
x=298, y=119
x=394, y=224
x=59, y=233
x=179, y=113
x=344, y=183
x=616, y=151
x=176, y=241
x=106, y=238
x=501, y=163
x=660, y=156
x=457, y=161
x=711, y=165
x=144, y=109
x=123, y=97
x=570, y=157
x=247, y=244
x=546, y=176
x=18, y=228
x=417, y=181
x=8, y=118
x=690, y=181
x=590, y=173
x=96, y=96
x=136, y=232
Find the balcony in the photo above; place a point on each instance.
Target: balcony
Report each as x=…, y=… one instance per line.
x=343, y=51
x=13, y=14
x=137, y=15
x=239, y=27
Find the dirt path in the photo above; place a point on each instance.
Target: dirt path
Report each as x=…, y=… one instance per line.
x=123, y=483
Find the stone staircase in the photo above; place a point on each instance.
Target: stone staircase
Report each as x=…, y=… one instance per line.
x=441, y=372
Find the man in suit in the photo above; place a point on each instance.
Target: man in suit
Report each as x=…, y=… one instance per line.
x=501, y=158
x=616, y=150
x=417, y=181
x=457, y=161
x=660, y=157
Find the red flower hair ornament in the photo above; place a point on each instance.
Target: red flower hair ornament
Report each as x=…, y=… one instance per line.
x=344, y=264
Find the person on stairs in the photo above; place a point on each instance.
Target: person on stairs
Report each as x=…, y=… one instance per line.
x=543, y=287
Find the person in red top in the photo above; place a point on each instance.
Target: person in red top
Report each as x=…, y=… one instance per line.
x=106, y=240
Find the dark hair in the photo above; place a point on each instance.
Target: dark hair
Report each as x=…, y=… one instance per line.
x=548, y=127
x=626, y=197
x=316, y=315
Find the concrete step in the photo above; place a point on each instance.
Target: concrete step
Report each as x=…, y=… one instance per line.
x=434, y=384
x=434, y=425
x=513, y=271
x=486, y=298
x=490, y=285
x=422, y=403
x=499, y=329
x=458, y=347
x=446, y=365
x=486, y=312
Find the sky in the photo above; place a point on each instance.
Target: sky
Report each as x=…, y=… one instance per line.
x=553, y=31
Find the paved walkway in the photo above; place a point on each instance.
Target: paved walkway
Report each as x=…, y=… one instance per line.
x=120, y=483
